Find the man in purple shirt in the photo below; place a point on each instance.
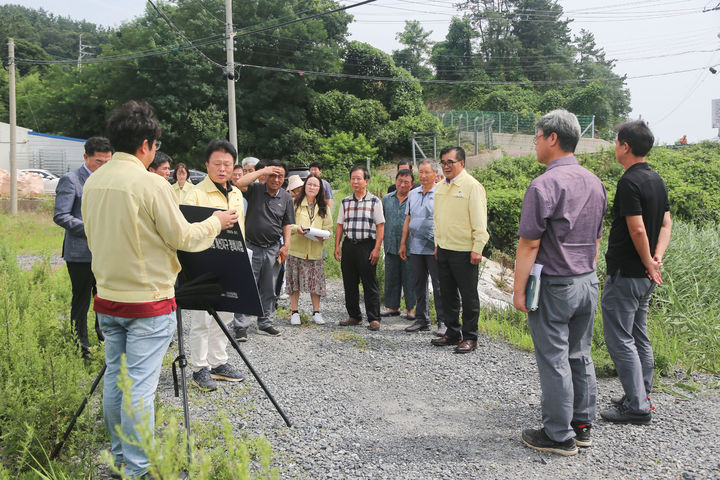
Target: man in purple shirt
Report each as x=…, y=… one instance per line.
x=560, y=229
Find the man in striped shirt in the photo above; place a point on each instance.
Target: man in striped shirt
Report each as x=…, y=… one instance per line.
x=361, y=221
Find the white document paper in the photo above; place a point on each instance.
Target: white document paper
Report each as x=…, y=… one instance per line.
x=316, y=234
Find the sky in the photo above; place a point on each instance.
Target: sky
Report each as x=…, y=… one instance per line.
x=665, y=47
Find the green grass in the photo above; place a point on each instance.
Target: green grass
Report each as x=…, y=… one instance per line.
x=31, y=232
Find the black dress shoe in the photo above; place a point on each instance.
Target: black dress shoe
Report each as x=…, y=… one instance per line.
x=390, y=313
x=446, y=341
x=418, y=327
x=466, y=346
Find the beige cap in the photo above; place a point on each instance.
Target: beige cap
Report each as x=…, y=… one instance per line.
x=294, y=181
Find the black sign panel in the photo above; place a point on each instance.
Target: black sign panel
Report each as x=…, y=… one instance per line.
x=228, y=259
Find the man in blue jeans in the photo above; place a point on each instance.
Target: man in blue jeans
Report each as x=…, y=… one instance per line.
x=639, y=236
x=134, y=228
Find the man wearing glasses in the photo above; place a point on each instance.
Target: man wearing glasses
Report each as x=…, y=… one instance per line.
x=460, y=218
x=560, y=228
x=268, y=220
x=134, y=228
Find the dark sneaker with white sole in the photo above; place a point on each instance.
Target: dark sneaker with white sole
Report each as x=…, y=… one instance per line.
x=240, y=334
x=621, y=414
x=204, y=381
x=582, y=434
x=538, y=440
x=227, y=373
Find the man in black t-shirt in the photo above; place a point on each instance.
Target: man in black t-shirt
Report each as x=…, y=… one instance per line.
x=269, y=215
x=639, y=236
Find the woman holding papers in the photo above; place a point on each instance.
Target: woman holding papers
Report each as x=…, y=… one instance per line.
x=305, y=270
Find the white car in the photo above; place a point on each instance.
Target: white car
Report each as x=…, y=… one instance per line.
x=50, y=180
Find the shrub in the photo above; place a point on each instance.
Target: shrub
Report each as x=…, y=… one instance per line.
x=341, y=151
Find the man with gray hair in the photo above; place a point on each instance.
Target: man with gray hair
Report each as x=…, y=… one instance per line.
x=249, y=164
x=417, y=246
x=560, y=229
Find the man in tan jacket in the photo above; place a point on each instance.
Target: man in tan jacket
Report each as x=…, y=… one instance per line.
x=208, y=357
x=134, y=229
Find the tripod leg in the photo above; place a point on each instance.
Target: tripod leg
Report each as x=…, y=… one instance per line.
x=182, y=361
x=235, y=345
x=58, y=447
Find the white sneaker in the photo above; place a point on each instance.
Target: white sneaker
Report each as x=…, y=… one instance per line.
x=317, y=318
x=295, y=319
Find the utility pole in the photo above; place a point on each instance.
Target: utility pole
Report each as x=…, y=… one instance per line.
x=13, y=124
x=81, y=52
x=230, y=73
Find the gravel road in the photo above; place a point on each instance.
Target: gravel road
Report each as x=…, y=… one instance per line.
x=388, y=405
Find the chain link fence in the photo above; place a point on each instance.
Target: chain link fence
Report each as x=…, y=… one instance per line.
x=503, y=122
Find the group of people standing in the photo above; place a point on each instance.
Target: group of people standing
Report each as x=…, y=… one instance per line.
x=132, y=224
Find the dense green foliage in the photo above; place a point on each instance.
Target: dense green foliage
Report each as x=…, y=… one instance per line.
x=691, y=173
x=528, y=45
x=284, y=110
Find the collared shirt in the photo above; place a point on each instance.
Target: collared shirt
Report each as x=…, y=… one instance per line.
x=134, y=229
x=564, y=208
x=207, y=194
x=360, y=218
x=86, y=169
x=300, y=246
x=394, y=211
x=640, y=191
x=182, y=193
x=460, y=214
x=421, y=240
x=327, y=189
x=267, y=214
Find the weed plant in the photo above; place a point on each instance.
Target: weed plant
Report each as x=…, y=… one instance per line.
x=43, y=378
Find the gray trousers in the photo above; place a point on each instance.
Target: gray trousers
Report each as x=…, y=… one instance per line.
x=266, y=269
x=562, y=329
x=397, y=278
x=624, y=307
x=420, y=267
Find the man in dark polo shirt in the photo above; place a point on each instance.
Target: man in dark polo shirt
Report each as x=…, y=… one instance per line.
x=639, y=236
x=560, y=228
x=361, y=221
x=268, y=219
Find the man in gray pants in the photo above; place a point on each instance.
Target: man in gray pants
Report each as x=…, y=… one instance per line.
x=560, y=228
x=639, y=236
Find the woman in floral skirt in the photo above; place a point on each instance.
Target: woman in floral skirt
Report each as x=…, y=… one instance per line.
x=305, y=269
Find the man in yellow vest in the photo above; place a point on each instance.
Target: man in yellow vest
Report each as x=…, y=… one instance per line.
x=208, y=357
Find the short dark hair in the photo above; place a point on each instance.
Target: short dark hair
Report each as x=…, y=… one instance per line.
x=404, y=162
x=276, y=163
x=366, y=174
x=405, y=172
x=317, y=165
x=97, y=144
x=131, y=124
x=237, y=165
x=459, y=152
x=220, y=146
x=637, y=134
x=159, y=159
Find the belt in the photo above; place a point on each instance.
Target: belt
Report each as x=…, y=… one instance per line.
x=356, y=242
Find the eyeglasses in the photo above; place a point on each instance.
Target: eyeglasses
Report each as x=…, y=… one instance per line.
x=535, y=140
x=449, y=163
x=158, y=143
